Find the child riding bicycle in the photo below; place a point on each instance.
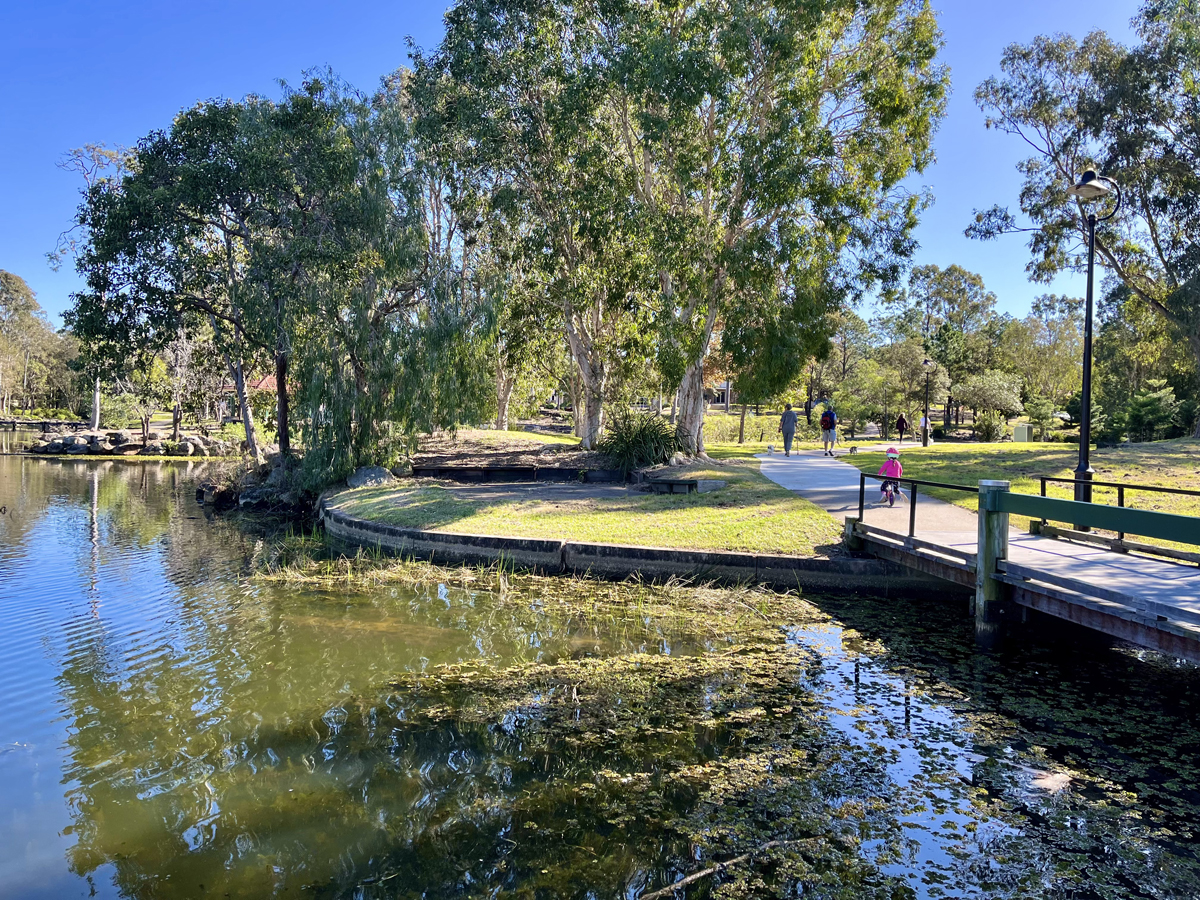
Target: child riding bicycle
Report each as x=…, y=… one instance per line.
x=891, y=470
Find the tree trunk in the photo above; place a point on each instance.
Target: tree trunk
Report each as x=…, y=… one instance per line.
x=576, y=385
x=742, y=426
x=691, y=408
x=728, y=391
x=239, y=383
x=281, y=404
x=145, y=417
x=176, y=420
x=674, y=405
x=504, y=388
x=590, y=366
x=95, y=420
x=594, y=420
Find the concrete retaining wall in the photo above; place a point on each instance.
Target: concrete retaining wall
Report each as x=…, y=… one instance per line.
x=841, y=576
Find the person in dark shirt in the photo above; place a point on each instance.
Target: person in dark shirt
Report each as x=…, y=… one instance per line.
x=787, y=424
x=901, y=426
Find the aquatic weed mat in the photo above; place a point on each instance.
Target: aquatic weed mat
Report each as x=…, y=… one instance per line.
x=704, y=611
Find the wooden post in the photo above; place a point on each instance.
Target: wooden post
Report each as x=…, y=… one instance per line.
x=993, y=546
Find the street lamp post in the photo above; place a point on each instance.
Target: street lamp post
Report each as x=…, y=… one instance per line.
x=928, y=366
x=1090, y=187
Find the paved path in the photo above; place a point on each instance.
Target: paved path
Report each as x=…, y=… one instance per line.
x=832, y=485
x=1155, y=585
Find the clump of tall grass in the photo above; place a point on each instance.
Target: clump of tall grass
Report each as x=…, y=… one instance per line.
x=636, y=440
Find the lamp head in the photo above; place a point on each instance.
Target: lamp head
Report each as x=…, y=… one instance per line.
x=929, y=365
x=1090, y=186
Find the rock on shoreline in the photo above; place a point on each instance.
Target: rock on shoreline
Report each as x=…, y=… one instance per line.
x=125, y=443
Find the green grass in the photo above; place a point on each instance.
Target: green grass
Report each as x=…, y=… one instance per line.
x=751, y=514
x=1162, y=463
x=750, y=449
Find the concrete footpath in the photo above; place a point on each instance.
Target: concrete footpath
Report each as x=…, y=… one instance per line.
x=832, y=485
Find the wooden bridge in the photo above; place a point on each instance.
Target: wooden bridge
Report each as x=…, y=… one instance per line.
x=1132, y=590
x=43, y=424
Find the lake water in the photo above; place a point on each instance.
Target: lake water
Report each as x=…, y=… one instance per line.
x=170, y=728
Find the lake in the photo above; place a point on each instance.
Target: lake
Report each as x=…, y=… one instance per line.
x=172, y=727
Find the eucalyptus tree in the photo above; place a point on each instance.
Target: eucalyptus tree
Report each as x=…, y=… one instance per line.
x=97, y=165
x=522, y=87
x=767, y=143
x=27, y=342
x=1132, y=113
x=954, y=315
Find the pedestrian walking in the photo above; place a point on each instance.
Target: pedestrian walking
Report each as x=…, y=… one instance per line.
x=901, y=426
x=829, y=429
x=787, y=424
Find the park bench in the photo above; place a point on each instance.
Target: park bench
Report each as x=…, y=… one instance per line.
x=684, y=485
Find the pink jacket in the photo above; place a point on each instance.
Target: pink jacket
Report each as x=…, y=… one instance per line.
x=891, y=469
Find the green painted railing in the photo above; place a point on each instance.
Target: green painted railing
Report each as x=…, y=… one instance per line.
x=1165, y=526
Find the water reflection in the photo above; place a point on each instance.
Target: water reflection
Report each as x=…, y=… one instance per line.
x=173, y=730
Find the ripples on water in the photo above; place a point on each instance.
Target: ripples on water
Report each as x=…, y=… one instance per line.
x=170, y=730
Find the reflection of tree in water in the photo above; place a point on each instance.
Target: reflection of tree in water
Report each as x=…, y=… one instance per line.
x=391, y=796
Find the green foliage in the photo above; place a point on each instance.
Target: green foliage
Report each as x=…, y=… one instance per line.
x=117, y=410
x=635, y=440
x=262, y=404
x=1041, y=414
x=990, y=426
x=992, y=391
x=1152, y=413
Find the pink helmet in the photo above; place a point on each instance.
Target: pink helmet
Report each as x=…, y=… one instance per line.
x=893, y=453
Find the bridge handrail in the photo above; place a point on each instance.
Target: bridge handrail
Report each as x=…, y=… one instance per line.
x=912, y=494
x=1121, y=519
x=1120, y=486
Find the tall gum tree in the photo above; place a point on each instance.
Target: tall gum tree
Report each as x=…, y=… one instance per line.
x=767, y=143
x=522, y=86
x=1132, y=113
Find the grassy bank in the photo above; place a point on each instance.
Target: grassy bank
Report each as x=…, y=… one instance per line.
x=751, y=513
x=1163, y=463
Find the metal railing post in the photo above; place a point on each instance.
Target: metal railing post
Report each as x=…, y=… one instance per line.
x=1121, y=503
x=1043, y=480
x=862, y=494
x=912, y=508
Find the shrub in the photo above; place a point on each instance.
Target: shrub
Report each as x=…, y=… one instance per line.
x=1152, y=412
x=990, y=426
x=722, y=429
x=635, y=440
x=939, y=433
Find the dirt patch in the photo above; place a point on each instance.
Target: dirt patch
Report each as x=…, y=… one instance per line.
x=503, y=448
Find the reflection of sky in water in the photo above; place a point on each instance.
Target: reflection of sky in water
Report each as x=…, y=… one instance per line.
x=153, y=700
x=924, y=746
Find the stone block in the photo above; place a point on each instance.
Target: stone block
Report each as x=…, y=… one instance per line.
x=369, y=476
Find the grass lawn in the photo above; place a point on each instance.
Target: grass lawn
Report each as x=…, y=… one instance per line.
x=750, y=513
x=1163, y=463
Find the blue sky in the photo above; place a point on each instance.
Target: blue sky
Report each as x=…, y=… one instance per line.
x=76, y=72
